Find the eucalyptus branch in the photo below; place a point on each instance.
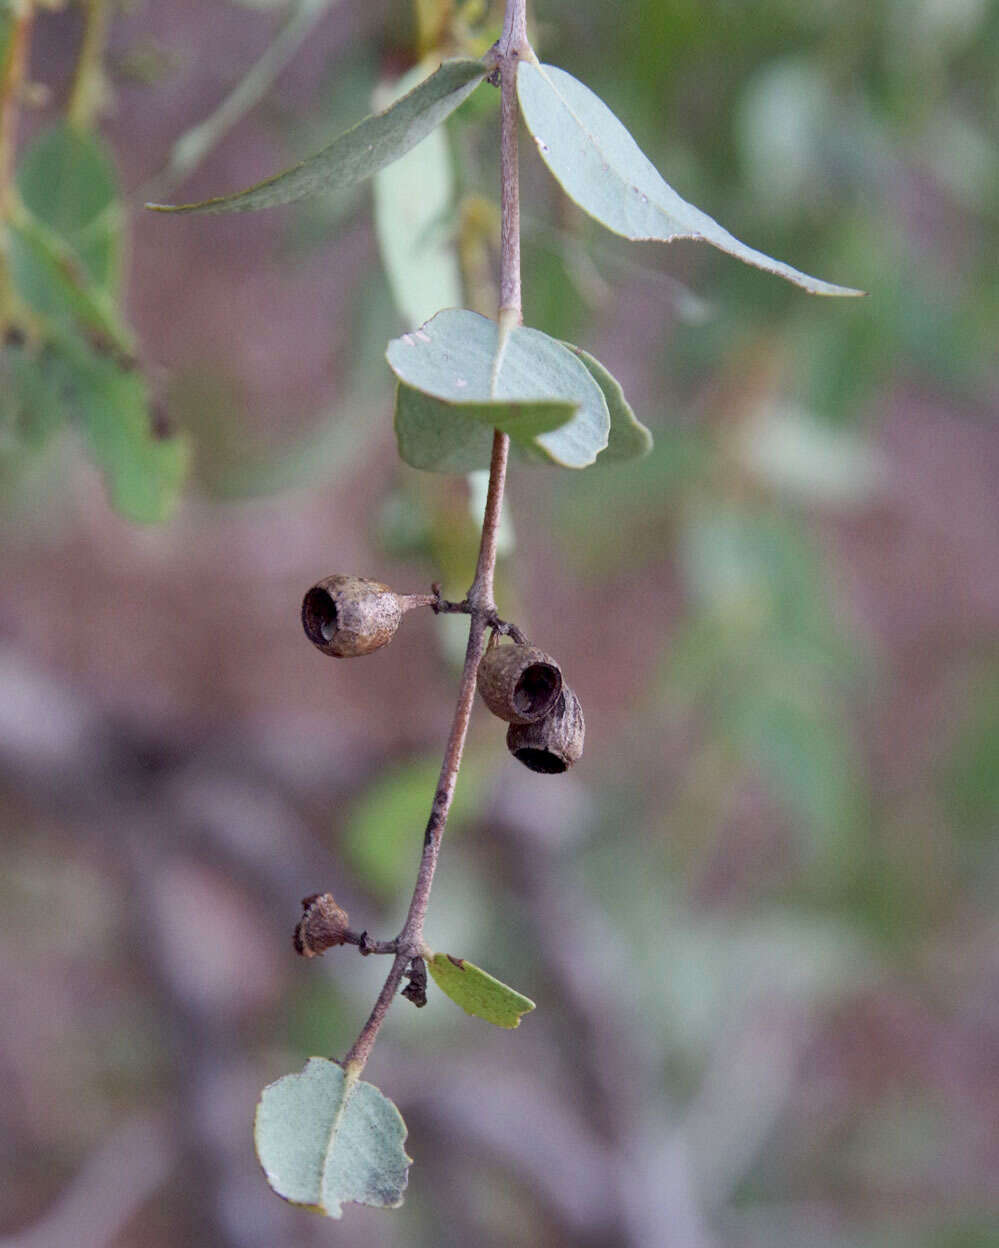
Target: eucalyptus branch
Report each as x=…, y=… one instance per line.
x=466, y=387
x=11, y=84
x=479, y=601
x=491, y=618
x=88, y=82
x=12, y=70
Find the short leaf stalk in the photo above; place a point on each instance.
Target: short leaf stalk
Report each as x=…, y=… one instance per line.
x=479, y=602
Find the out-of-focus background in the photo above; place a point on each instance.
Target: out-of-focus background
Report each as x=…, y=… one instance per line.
x=759, y=918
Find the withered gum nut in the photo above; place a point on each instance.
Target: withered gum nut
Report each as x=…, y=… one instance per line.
x=551, y=745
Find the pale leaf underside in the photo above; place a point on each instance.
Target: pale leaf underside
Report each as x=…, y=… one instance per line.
x=414, y=208
x=324, y=1140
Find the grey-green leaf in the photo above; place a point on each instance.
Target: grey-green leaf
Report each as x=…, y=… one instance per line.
x=602, y=168
x=360, y=152
x=432, y=436
x=438, y=436
x=477, y=992
x=543, y=396
x=629, y=438
x=324, y=1140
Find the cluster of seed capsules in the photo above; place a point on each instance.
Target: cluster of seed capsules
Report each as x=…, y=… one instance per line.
x=346, y=616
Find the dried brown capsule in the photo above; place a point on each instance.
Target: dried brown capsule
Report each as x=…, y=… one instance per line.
x=350, y=615
x=323, y=925
x=550, y=745
x=519, y=683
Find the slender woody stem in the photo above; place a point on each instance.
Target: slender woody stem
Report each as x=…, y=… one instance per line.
x=12, y=70
x=88, y=82
x=480, y=596
x=13, y=66
x=510, y=296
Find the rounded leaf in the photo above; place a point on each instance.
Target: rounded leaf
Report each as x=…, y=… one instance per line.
x=629, y=438
x=324, y=1138
x=540, y=393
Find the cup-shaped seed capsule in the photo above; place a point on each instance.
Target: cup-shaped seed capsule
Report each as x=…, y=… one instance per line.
x=553, y=744
x=520, y=684
x=350, y=615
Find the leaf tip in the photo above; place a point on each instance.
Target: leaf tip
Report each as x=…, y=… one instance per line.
x=829, y=290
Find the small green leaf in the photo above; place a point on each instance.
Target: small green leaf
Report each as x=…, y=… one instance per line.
x=629, y=438
x=360, y=152
x=477, y=992
x=414, y=203
x=602, y=168
x=52, y=280
x=324, y=1139
x=144, y=472
x=67, y=182
x=32, y=405
x=542, y=396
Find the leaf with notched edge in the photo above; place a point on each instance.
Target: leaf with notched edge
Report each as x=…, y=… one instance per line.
x=477, y=992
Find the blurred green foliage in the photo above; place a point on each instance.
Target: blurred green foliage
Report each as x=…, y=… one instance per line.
x=377, y=839
x=68, y=357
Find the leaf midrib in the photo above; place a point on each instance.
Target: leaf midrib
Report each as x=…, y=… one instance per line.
x=350, y=1083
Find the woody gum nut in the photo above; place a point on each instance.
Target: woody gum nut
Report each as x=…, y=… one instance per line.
x=519, y=683
x=350, y=615
x=322, y=926
x=553, y=744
